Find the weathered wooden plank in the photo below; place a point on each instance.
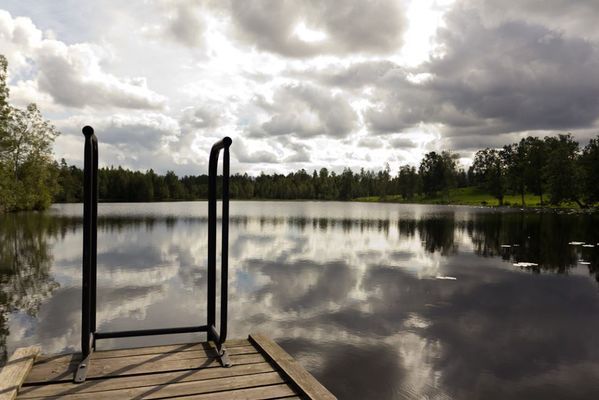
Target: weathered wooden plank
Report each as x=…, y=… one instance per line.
x=306, y=382
x=207, y=352
x=91, y=386
x=184, y=347
x=58, y=363
x=179, y=388
x=289, y=398
x=168, y=349
x=258, y=393
x=15, y=371
x=124, y=366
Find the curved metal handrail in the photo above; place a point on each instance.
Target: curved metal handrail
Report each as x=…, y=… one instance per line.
x=89, y=335
x=224, y=145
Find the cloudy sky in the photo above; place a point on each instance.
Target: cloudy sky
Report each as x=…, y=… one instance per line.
x=303, y=84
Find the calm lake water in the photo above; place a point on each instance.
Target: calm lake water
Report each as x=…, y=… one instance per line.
x=378, y=301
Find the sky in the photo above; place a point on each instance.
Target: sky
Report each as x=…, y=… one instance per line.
x=302, y=84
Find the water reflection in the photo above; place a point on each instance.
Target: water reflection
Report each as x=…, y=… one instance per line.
x=25, y=263
x=351, y=290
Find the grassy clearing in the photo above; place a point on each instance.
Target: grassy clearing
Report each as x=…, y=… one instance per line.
x=470, y=196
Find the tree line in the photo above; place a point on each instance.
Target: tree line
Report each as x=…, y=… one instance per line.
x=554, y=168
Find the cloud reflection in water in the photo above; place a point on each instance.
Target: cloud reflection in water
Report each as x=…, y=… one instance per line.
x=349, y=289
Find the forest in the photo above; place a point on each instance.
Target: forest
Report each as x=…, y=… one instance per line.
x=555, y=168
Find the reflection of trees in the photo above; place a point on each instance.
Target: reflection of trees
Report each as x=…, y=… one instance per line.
x=540, y=238
x=438, y=234
x=25, y=262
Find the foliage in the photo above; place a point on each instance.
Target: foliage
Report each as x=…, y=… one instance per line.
x=488, y=172
x=438, y=172
x=514, y=158
x=409, y=182
x=27, y=176
x=535, y=160
x=562, y=171
x=589, y=164
x=511, y=175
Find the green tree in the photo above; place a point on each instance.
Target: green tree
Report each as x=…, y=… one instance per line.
x=5, y=109
x=589, y=163
x=27, y=172
x=175, y=188
x=27, y=160
x=346, y=188
x=536, y=160
x=562, y=171
x=6, y=196
x=515, y=159
x=383, y=181
x=488, y=172
x=70, y=183
x=438, y=172
x=407, y=182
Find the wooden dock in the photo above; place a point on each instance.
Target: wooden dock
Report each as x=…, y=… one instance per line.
x=261, y=370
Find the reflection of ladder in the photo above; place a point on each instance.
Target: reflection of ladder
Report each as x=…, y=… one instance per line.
x=89, y=335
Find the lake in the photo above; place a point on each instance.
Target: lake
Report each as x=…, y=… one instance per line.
x=380, y=301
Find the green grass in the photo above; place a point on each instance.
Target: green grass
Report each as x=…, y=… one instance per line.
x=471, y=196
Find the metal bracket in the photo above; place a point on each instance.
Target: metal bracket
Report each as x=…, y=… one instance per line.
x=82, y=368
x=223, y=356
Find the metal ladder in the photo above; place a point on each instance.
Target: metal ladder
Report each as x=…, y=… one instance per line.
x=89, y=334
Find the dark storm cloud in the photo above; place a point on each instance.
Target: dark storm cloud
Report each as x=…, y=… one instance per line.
x=512, y=75
x=350, y=25
x=305, y=111
x=524, y=75
x=577, y=18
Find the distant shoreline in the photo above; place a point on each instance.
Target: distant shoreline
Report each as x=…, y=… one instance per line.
x=392, y=199
x=470, y=196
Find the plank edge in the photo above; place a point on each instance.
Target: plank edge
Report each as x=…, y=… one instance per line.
x=14, y=373
x=307, y=384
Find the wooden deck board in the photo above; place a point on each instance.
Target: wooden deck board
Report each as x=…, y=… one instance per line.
x=179, y=388
x=258, y=393
x=15, y=371
x=98, y=385
x=171, y=348
x=97, y=369
x=261, y=370
x=106, y=356
x=306, y=382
